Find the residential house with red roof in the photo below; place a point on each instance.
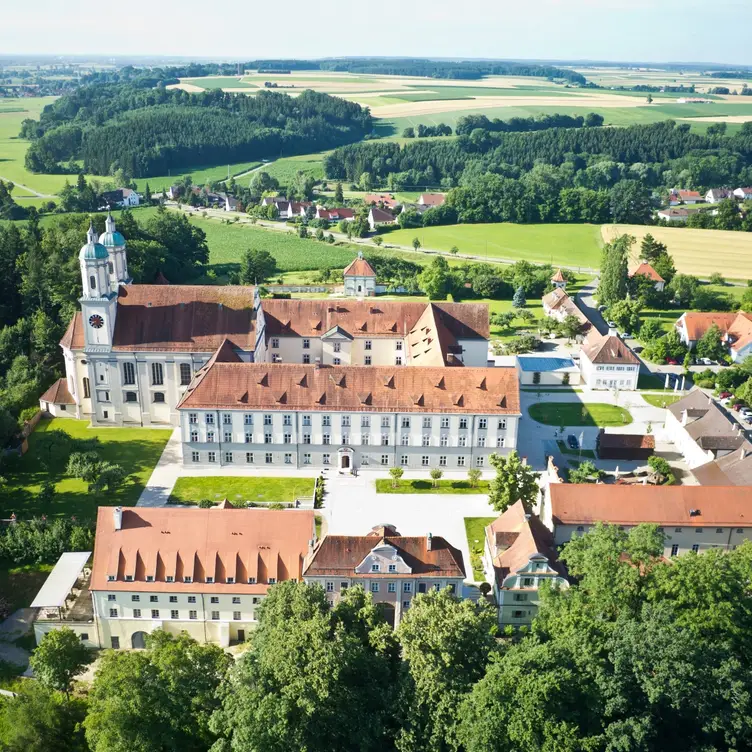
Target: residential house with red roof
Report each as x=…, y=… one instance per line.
x=606, y=362
x=735, y=328
x=379, y=218
x=431, y=199
x=394, y=568
x=360, y=278
x=646, y=270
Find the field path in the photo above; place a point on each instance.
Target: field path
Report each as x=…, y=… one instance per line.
x=26, y=188
x=254, y=169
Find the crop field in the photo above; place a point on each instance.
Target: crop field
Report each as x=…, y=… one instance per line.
x=284, y=169
x=573, y=246
x=698, y=252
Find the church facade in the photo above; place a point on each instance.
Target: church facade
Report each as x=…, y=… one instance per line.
x=133, y=350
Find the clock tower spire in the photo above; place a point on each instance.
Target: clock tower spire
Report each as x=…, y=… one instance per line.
x=99, y=299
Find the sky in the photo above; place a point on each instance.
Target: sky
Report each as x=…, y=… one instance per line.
x=616, y=30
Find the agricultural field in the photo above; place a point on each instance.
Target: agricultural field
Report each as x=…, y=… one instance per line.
x=285, y=168
x=698, y=252
x=573, y=246
x=199, y=176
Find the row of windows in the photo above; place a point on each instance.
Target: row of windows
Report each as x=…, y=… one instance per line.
x=157, y=374
x=336, y=346
x=345, y=421
x=174, y=614
x=365, y=439
x=136, y=598
x=718, y=530
x=326, y=459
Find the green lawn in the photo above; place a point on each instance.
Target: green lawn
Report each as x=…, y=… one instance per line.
x=476, y=536
x=385, y=485
x=217, y=488
x=571, y=246
x=199, y=175
x=579, y=414
x=661, y=400
x=21, y=584
x=136, y=450
x=284, y=169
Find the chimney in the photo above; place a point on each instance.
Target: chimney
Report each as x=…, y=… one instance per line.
x=117, y=516
x=429, y=542
x=317, y=363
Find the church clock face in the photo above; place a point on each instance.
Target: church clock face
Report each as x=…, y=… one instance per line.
x=96, y=321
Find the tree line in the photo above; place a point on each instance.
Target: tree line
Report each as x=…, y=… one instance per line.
x=111, y=126
x=636, y=654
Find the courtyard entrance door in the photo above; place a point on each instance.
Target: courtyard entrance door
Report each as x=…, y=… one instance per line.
x=138, y=640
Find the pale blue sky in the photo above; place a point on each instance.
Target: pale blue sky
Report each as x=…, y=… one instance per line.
x=644, y=30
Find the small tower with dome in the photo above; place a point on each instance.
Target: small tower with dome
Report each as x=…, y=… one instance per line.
x=558, y=280
x=99, y=299
x=114, y=242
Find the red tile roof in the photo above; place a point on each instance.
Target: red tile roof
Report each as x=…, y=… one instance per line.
x=283, y=386
x=432, y=199
x=199, y=543
x=697, y=323
x=58, y=394
x=380, y=198
x=558, y=277
x=646, y=270
x=359, y=267
x=381, y=215
x=608, y=349
x=430, y=342
x=585, y=504
x=558, y=300
x=339, y=555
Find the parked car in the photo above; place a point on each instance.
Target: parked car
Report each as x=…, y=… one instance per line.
x=612, y=324
x=723, y=395
x=672, y=361
x=738, y=406
x=726, y=401
x=638, y=349
x=706, y=361
x=572, y=442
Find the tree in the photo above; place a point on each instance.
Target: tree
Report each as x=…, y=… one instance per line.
x=300, y=685
x=161, y=698
x=147, y=194
x=301, y=186
x=613, y=283
x=378, y=240
x=365, y=182
x=683, y=288
x=454, y=250
x=256, y=266
x=710, y=345
x=473, y=476
x=435, y=476
x=716, y=278
x=651, y=250
x=408, y=132
x=41, y=720
x=435, y=279
x=339, y=196
x=626, y=314
x=630, y=202
x=660, y=466
x=59, y=658
x=446, y=644
x=519, y=301
x=514, y=481
x=585, y=472
x=571, y=326
x=396, y=473
x=416, y=243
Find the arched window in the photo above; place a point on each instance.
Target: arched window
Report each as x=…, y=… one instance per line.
x=110, y=267
x=87, y=391
x=93, y=282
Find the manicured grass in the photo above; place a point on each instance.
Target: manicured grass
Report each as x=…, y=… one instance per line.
x=564, y=449
x=218, y=488
x=136, y=450
x=579, y=414
x=661, y=400
x=386, y=485
x=199, y=175
x=21, y=584
x=476, y=537
x=571, y=246
x=650, y=381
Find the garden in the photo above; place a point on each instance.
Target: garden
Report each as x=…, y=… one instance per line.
x=598, y=414
x=240, y=490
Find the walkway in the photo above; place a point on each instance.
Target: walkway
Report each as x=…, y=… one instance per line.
x=165, y=474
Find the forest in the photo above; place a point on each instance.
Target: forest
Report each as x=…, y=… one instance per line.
x=576, y=174
x=40, y=283
x=636, y=654
x=148, y=131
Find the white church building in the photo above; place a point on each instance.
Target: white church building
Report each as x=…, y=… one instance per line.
x=132, y=351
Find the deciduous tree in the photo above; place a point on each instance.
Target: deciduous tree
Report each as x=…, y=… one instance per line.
x=514, y=481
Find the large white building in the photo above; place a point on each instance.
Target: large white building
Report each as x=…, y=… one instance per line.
x=132, y=350
x=348, y=417
x=202, y=571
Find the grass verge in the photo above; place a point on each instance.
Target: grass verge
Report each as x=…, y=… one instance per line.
x=218, y=488
x=385, y=485
x=579, y=414
x=475, y=531
x=661, y=400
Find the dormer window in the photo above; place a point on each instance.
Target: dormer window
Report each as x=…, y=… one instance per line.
x=392, y=567
x=375, y=567
x=169, y=578
x=149, y=578
x=110, y=578
x=251, y=580
x=187, y=579
x=230, y=580
x=210, y=579
x=129, y=578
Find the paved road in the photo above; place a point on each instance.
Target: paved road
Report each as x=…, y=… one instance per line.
x=588, y=306
x=26, y=188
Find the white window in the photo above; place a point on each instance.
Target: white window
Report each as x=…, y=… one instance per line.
x=326, y=420
x=462, y=441
x=228, y=458
x=337, y=347
x=306, y=359
x=228, y=437
x=288, y=459
x=268, y=458
x=185, y=374
x=444, y=440
x=392, y=567
x=499, y=441
x=129, y=373
x=211, y=456
x=306, y=459
x=267, y=420
x=384, y=439
x=675, y=549
x=463, y=422
x=155, y=613
x=306, y=438
x=384, y=459
x=403, y=459
x=325, y=459
x=326, y=439
x=248, y=419
x=306, y=344
x=249, y=458
x=482, y=423
x=194, y=436
x=110, y=596
x=236, y=615
x=329, y=587
x=195, y=457
x=374, y=587
x=445, y=422
x=210, y=437
x=696, y=547
x=365, y=439
x=215, y=615
x=267, y=438
x=226, y=419
x=192, y=418
x=405, y=422
x=367, y=344
x=398, y=361
x=442, y=460
x=460, y=462
x=209, y=419
x=385, y=421
x=249, y=438
x=275, y=343
x=426, y=440
x=345, y=439
x=136, y=598
x=365, y=421
x=364, y=460
x=157, y=374
x=307, y=420
x=174, y=613
x=399, y=344
x=113, y=613
x=424, y=460
x=391, y=587
x=405, y=440
x=287, y=420
x=193, y=614
x=481, y=441
x=136, y=613
x=407, y=587
x=337, y=362
x=368, y=360
x=287, y=438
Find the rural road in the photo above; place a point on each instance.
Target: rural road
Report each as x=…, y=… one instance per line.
x=587, y=305
x=26, y=188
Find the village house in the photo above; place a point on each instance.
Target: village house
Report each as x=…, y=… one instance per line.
x=431, y=199
x=558, y=280
x=132, y=351
x=646, y=270
x=122, y=198
x=743, y=194
x=519, y=556
x=392, y=567
x=385, y=200
x=558, y=305
x=679, y=196
x=200, y=571
x=360, y=278
x=673, y=215
x=735, y=329
x=349, y=417
x=607, y=363
x=335, y=214
x=690, y=518
x=714, y=195
x=380, y=218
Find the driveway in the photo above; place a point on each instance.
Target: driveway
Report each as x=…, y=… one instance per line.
x=586, y=303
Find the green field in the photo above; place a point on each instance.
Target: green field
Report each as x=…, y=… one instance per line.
x=579, y=414
x=285, y=168
x=386, y=486
x=136, y=450
x=475, y=530
x=221, y=82
x=661, y=400
x=572, y=246
x=199, y=175
x=193, y=490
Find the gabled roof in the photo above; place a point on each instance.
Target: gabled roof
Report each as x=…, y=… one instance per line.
x=380, y=198
x=732, y=469
x=706, y=423
x=588, y=503
x=558, y=300
x=162, y=541
x=646, y=270
x=381, y=215
x=430, y=343
x=608, y=349
x=257, y=386
x=339, y=555
x=697, y=323
x=517, y=536
x=58, y=394
x=432, y=199
x=359, y=267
